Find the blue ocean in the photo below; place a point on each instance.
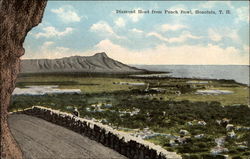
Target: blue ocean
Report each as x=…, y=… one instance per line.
x=239, y=73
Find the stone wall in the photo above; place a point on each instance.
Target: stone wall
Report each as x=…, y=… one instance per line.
x=131, y=147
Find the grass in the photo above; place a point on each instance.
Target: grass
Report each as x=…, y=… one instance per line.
x=105, y=84
x=178, y=109
x=86, y=84
x=240, y=96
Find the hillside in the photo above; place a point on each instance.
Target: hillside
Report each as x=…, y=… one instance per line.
x=98, y=63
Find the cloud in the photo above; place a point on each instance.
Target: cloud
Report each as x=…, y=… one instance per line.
x=246, y=48
x=233, y=34
x=160, y=54
x=117, y=52
x=157, y=35
x=120, y=22
x=104, y=29
x=51, y=31
x=136, y=30
x=185, y=54
x=183, y=37
x=178, y=7
x=135, y=17
x=208, y=5
x=67, y=14
x=213, y=35
x=213, y=4
x=173, y=27
x=47, y=44
x=242, y=14
x=225, y=32
x=48, y=50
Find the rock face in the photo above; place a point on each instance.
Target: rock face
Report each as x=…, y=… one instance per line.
x=17, y=18
x=98, y=63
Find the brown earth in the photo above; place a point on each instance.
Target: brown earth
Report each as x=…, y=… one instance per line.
x=18, y=17
x=41, y=139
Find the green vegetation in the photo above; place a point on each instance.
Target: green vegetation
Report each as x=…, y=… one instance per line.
x=90, y=84
x=155, y=106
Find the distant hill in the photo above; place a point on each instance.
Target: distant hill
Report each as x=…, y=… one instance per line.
x=98, y=63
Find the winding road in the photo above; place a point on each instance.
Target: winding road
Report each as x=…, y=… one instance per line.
x=39, y=139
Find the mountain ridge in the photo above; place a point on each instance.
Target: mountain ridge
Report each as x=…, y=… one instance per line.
x=98, y=63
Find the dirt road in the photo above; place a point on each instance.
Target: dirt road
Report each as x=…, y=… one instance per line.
x=41, y=139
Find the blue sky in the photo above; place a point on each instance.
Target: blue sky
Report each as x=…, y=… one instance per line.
x=85, y=28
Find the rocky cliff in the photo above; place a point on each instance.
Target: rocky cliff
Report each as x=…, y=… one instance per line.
x=18, y=17
x=98, y=63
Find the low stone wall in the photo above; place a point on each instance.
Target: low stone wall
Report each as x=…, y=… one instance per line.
x=129, y=146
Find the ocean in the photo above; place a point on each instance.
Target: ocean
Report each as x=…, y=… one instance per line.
x=239, y=73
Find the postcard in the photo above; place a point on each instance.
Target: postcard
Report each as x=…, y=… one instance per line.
x=125, y=79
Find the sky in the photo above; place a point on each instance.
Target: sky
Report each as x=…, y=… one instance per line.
x=84, y=28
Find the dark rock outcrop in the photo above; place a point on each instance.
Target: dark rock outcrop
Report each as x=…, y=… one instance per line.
x=18, y=17
x=98, y=63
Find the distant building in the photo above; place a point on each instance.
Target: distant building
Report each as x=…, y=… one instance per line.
x=231, y=134
x=203, y=123
x=229, y=127
x=76, y=112
x=184, y=132
x=199, y=136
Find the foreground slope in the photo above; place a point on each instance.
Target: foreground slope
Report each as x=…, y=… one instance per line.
x=40, y=139
x=98, y=63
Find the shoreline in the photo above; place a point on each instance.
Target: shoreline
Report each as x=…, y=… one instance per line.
x=134, y=75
